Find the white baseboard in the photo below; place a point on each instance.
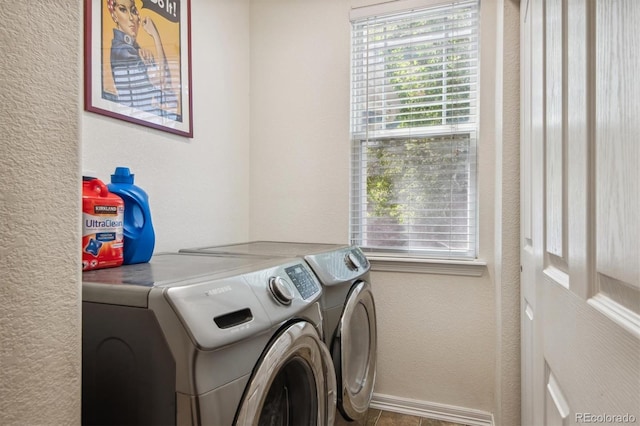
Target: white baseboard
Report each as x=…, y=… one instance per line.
x=432, y=410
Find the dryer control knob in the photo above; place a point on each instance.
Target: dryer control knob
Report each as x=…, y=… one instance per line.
x=352, y=261
x=280, y=290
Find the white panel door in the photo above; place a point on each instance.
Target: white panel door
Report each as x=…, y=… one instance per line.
x=580, y=186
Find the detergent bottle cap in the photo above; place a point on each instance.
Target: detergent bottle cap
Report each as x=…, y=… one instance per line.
x=122, y=175
x=88, y=175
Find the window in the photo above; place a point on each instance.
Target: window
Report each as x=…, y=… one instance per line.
x=414, y=131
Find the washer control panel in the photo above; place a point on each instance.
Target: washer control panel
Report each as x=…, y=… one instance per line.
x=306, y=284
x=217, y=310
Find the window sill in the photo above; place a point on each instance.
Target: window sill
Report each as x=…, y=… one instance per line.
x=469, y=268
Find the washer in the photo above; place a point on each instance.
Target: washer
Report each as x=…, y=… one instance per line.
x=348, y=309
x=204, y=340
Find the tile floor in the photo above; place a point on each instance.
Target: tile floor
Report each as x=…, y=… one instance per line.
x=386, y=418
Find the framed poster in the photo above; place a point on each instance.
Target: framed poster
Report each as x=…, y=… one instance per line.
x=138, y=62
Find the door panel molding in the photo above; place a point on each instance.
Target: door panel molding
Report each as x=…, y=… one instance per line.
x=554, y=141
x=626, y=318
x=557, y=406
x=617, y=159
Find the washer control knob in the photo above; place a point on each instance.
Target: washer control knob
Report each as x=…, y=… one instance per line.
x=352, y=261
x=280, y=290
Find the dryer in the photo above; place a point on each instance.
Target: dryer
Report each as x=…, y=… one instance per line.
x=202, y=340
x=348, y=309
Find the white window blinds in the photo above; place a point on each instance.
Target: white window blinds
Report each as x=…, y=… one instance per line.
x=414, y=131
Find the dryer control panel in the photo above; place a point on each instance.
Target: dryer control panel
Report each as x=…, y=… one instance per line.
x=339, y=266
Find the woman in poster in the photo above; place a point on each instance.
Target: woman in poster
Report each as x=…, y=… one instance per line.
x=141, y=82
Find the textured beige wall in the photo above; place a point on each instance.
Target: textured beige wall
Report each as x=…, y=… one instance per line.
x=507, y=266
x=39, y=213
x=300, y=120
x=436, y=337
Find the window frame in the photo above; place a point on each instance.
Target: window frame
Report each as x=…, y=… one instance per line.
x=413, y=258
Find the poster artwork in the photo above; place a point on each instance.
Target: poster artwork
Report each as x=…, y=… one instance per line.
x=141, y=56
x=138, y=62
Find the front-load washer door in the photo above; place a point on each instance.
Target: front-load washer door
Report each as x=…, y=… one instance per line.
x=293, y=383
x=354, y=352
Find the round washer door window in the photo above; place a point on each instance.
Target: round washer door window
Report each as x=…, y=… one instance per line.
x=293, y=384
x=354, y=352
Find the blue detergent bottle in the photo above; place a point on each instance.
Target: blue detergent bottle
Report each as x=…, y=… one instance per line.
x=139, y=237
